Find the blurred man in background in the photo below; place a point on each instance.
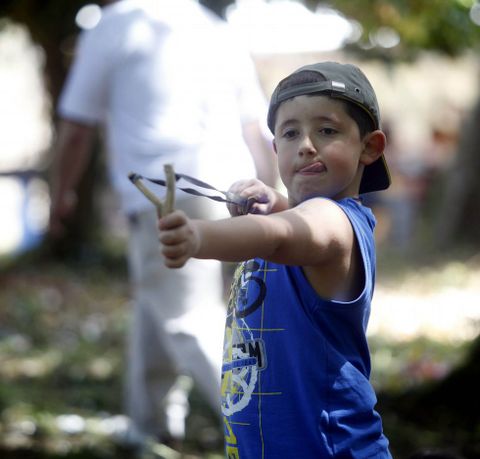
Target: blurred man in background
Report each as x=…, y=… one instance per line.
x=169, y=84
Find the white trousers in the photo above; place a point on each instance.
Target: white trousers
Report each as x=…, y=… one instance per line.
x=177, y=324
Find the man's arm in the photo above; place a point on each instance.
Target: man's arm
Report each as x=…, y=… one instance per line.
x=262, y=153
x=71, y=151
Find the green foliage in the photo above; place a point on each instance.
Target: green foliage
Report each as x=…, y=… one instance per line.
x=441, y=25
x=438, y=25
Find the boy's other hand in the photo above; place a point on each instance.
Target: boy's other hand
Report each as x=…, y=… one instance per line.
x=259, y=198
x=179, y=238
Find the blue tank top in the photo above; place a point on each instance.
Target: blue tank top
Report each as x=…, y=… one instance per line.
x=295, y=376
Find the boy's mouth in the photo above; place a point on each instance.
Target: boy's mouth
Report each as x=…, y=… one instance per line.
x=314, y=168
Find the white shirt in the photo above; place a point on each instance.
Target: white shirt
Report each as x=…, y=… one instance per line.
x=171, y=85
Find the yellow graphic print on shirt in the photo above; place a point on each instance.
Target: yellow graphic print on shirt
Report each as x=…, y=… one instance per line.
x=244, y=355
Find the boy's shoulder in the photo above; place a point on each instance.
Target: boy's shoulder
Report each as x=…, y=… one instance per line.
x=351, y=207
x=333, y=212
x=349, y=227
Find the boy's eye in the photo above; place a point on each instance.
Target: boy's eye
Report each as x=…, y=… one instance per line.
x=327, y=131
x=289, y=133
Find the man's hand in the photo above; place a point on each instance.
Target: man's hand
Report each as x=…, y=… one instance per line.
x=179, y=238
x=61, y=210
x=260, y=198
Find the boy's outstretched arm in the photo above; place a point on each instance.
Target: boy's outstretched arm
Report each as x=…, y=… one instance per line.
x=311, y=234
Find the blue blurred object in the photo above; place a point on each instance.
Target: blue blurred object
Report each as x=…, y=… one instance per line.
x=25, y=204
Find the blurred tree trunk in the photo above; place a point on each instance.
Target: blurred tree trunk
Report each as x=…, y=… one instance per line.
x=459, y=215
x=52, y=26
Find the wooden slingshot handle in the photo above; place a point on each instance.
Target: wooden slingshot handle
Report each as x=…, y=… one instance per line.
x=169, y=203
x=163, y=207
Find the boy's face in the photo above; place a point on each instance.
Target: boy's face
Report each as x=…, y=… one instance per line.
x=319, y=148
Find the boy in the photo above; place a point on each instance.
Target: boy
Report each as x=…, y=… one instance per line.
x=296, y=361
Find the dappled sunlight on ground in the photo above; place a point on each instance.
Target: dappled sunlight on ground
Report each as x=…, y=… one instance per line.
x=436, y=302
x=62, y=339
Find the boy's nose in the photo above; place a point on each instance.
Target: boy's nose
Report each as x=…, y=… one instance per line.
x=306, y=147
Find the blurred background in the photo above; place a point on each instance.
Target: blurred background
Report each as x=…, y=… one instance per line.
x=63, y=305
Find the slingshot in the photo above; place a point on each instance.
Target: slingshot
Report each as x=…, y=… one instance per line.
x=171, y=178
x=163, y=207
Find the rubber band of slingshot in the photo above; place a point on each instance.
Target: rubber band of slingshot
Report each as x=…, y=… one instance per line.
x=171, y=183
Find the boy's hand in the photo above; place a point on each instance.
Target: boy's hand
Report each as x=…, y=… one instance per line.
x=259, y=197
x=179, y=238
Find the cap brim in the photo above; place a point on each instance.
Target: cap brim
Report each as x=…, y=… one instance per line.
x=376, y=177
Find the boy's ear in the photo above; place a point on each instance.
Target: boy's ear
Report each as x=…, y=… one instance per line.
x=374, y=145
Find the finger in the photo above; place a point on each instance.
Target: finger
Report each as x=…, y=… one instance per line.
x=236, y=204
x=175, y=251
x=246, y=187
x=233, y=210
x=259, y=208
x=252, y=190
x=175, y=262
x=236, y=209
x=239, y=185
x=258, y=203
x=172, y=220
x=172, y=237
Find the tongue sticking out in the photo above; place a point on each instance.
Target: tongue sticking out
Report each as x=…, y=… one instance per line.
x=313, y=168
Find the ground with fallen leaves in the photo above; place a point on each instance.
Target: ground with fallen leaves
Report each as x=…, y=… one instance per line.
x=62, y=336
